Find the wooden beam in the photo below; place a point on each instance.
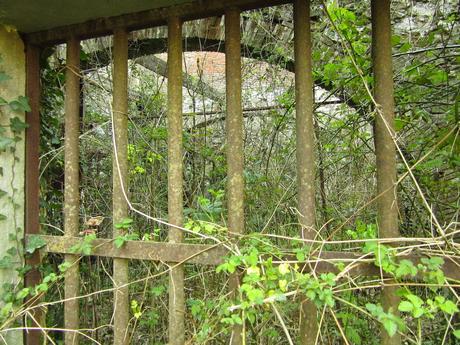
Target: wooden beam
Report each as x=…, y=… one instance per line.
x=119, y=180
x=144, y=19
x=175, y=179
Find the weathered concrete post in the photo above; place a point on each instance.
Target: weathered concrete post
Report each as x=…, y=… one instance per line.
x=234, y=131
x=305, y=151
x=385, y=150
x=175, y=180
x=120, y=180
x=72, y=186
x=12, y=162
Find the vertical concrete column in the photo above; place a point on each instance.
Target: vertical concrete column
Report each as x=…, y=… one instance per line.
x=385, y=150
x=234, y=132
x=32, y=197
x=305, y=151
x=12, y=161
x=72, y=185
x=175, y=179
x=120, y=180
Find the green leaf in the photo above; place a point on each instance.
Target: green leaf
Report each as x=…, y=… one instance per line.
x=3, y=101
x=2, y=193
x=6, y=263
x=457, y=333
x=418, y=312
x=119, y=241
x=4, y=76
x=12, y=251
x=34, y=242
x=415, y=300
x=399, y=124
x=237, y=319
x=449, y=307
x=5, y=142
x=43, y=287
x=255, y=296
x=124, y=223
x=390, y=326
x=353, y=335
x=158, y=290
x=406, y=268
x=405, y=306
x=23, y=293
x=64, y=266
x=17, y=125
x=21, y=104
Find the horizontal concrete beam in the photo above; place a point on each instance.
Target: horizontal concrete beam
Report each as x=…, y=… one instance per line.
x=144, y=19
x=142, y=250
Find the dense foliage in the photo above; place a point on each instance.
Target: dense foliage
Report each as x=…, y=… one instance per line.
x=271, y=257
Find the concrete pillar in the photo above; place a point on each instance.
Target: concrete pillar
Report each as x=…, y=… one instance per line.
x=12, y=158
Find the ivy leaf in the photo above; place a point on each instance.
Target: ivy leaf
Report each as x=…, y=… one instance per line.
x=4, y=76
x=6, y=262
x=34, y=242
x=17, y=125
x=2, y=193
x=21, y=104
x=5, y=142
x=3, y=101
x=23, y=293
x=12, y=251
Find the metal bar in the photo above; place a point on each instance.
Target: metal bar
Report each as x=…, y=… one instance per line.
x=234, y=132
x=175, y=181
x=32, y=196
x=385, y=151
x=305, y=154
x=71, y=185
x=120, y=176
x=203, y=254
x=145, y=19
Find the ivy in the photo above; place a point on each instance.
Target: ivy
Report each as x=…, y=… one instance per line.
x=34, y=242
x=124, y=225
x=390, y=321
x=85, y=246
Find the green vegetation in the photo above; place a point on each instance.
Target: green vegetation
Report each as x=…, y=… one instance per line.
x=277, y=268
